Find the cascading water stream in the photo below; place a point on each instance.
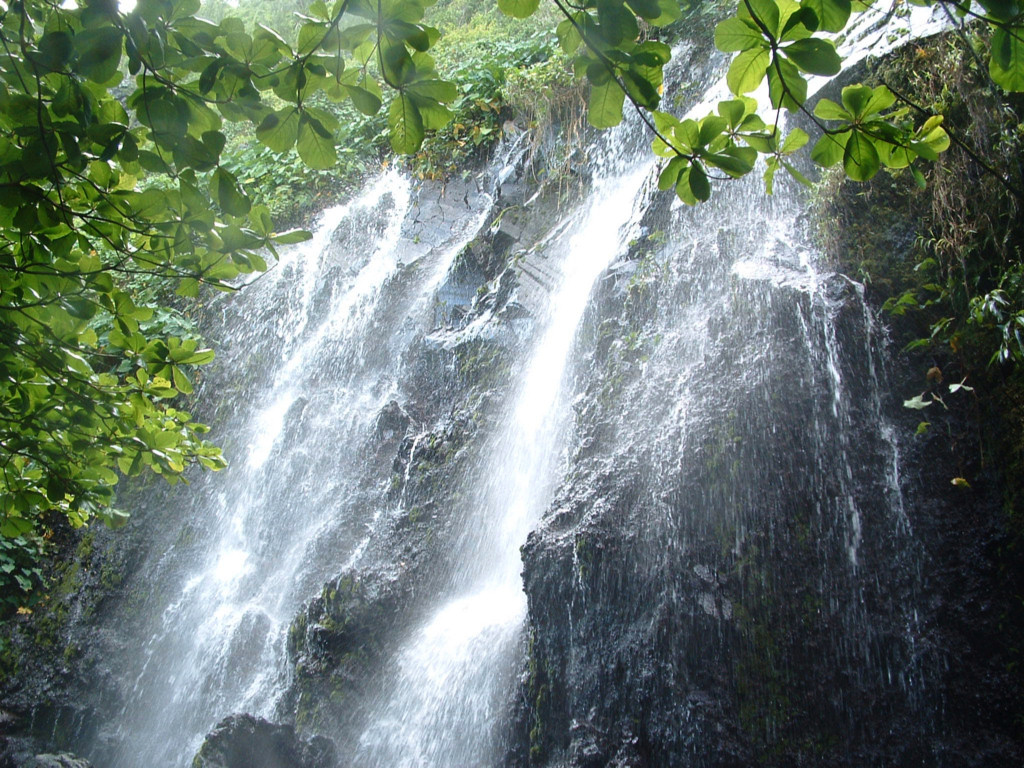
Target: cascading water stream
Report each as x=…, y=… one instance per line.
x=217, y=645
x=447, y=702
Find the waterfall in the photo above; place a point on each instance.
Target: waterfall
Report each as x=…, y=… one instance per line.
x=632, y=497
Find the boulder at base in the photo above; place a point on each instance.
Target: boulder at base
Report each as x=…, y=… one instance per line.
x=245, y=741
x=63, y=760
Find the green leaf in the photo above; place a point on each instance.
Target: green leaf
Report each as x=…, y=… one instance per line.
x=881, y=99
x=895, y=155
x=860, y=158
x=669, y=177
x=13, y=527
x=797, y=23
x=406, y=126
x=792, y=171
x=226, y=193
x=830, y=149
x=1006, y=65
x=438, y=90
x=292, y=236
x=364, y=100
x=862, y=102
x=642, y=90
x=733, y=111
x=189, y=153
x=737, y=161
x=214, y=141
x=152, y=162
x=310, y=36
x=569, y=37
x=55, y=49
x=816, y=56
x=711, y=127
x=766, y=11
x=315, y=143
x=795, y=140
x=687, y=135
x=200, y=357
x=683, y=191
x=415, y=35
x=829, y=110
x=765, y=142
x=617, y=23
x=748, y=70
x=261, y=220
x=1002, y=10
x=786, y=86
x=735, y=34
x=664, y=121
x=181, y=382
x=435, y=116
x=648, y=9
x=149, y=203
x=699, y=184
x=604, y=104
x=671, y=11
x=279, y=130
x=99, y=53
x=519, y=9
x=832, y=14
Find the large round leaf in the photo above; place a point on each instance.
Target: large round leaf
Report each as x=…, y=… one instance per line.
x=860, y=158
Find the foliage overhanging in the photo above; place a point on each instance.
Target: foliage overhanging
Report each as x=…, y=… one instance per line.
x=113, y=129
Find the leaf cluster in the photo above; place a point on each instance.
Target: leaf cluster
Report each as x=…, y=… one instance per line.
x=780, y=43
x=113, y=174
x=114, y=127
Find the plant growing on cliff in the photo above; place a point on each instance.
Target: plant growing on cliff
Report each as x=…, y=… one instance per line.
x=938, y=257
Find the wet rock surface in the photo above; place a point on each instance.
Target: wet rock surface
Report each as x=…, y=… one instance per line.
x=63, y=760
x=344, y=645
x=23, y=752
x=735, y=572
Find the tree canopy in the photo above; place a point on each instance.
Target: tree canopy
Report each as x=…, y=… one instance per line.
x=115, y=188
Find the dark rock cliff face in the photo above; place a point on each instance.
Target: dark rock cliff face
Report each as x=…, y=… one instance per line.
x=972, y=575
x=60, y=675
x=752, y=560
